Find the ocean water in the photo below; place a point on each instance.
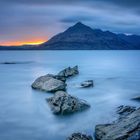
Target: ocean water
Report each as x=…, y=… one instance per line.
x=24, y=113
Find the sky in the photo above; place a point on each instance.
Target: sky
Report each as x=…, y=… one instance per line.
x=36, y=21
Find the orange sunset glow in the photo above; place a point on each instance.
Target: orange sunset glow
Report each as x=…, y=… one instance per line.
x=23, y=42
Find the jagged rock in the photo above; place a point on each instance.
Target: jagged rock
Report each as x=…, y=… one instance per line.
x=63, y=103
x=61, y=78
x=126, y=128
x=125, y=110
x=69, y=72
x=79, y=136
x=50, y=83
x=88, y=83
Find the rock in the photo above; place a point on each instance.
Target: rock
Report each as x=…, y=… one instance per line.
x=126, y=128
x=135, y=136
x=63, y=103
x=125, y=110
x=61, y=78
x=79, y=136
x=16, y=62
x=136, y=98
x=88, y=83
x=49, y=83
x=8, y=63
x=69, y=72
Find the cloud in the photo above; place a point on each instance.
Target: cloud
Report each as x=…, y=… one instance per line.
x=123, y=3
x=22, y=19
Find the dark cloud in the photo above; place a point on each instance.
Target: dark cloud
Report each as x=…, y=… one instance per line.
x=43, y=18
x=77, y=18
x=126, y=3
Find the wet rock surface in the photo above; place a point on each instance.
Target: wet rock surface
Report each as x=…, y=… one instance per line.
x=63, y=103
x=79, y=136
x=53, y=83
x=125, y=128
x=125, y=110
x=86, y=84
x=69, y=72
x=49, y=83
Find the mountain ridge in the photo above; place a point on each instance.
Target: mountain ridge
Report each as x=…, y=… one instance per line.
x=83, y=37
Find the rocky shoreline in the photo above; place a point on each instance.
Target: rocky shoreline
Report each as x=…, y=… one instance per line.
x=126, y=127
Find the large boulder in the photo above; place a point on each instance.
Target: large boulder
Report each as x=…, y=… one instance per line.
x=79, y=136
x=125, y=128
x=86, y=84
x=63, y=103
x=69, y=72
x=49, y=83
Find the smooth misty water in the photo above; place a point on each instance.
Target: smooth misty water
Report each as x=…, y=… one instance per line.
x=24, y=113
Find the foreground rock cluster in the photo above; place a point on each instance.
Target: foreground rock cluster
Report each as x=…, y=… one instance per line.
x=53, y=83
x=126, y=127
x=62, y=102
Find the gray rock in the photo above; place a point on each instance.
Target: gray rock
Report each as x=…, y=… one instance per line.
x=88, y=83
x=79, y=136
x=63, y=103
x=135, y=136
x=61, y=78
x=126, y=128
x=69, y=72
x=125, y=110
x=49, y=83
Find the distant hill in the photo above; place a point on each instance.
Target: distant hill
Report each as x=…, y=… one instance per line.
x=82, y=37
x=23, y=47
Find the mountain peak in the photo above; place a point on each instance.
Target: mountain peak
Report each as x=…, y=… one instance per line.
x=79, y=24
x=82, y=37
x=79, y=27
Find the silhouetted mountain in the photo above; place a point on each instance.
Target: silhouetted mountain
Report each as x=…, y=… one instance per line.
x=82, y=37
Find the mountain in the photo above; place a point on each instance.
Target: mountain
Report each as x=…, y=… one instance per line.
x=82, y=37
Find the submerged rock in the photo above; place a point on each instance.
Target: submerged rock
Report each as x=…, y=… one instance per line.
x=79, y=136
x=15, y=62
x=69, y=72
x=126, y=128
x=50, y=83
x=88, y=83
x=136, y=98
x=63, y=103
x=9, y=63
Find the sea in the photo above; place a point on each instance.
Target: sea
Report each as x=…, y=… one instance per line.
x=24, y=112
